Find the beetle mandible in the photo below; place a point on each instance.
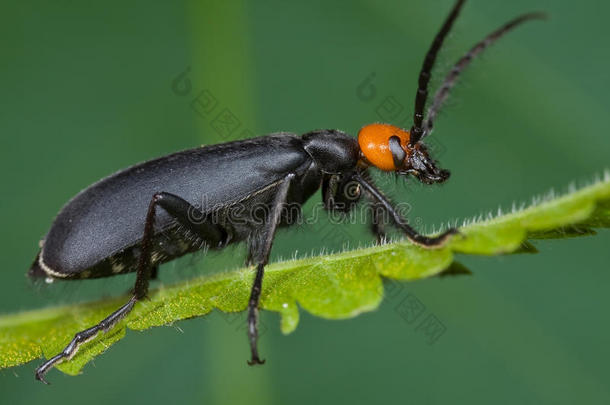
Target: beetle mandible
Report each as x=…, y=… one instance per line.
x=146, y=215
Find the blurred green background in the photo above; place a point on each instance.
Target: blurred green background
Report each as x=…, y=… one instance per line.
x=86, y=89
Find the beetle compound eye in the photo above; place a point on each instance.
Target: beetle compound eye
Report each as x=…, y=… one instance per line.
x=374, y=141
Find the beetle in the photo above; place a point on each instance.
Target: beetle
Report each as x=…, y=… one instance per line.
x=213, y=196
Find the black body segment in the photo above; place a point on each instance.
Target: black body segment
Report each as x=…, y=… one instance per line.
x=334, y=151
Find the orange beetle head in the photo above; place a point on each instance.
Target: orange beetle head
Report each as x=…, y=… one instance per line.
x=387, y=148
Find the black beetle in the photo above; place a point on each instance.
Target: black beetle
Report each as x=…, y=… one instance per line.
x=238, y=191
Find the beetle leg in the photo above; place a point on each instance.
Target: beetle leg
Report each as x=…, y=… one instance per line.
x=377, y=212
x=377, y=223
x=261, y=258
x=154, y=272
x=140, y=290
x=412, y=234
x=185, y=215
x=340, y=194
x=84, y=336
x=330, y=189
x=193, y=219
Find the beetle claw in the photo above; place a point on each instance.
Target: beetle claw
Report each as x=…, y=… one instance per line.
x=40, y=377
x=255, y=360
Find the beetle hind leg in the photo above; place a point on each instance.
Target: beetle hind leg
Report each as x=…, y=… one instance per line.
x=182, y=211
x=83, y=337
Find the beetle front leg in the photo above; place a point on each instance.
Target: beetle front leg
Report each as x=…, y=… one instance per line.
x=412, y=234
x=260, y=256
x=177, y=208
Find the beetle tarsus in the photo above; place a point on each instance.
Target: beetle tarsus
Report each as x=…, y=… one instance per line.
x=84, y=336
x=436, y=241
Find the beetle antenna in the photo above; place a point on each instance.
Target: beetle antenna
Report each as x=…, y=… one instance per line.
x=443, y=92
x=424, y=74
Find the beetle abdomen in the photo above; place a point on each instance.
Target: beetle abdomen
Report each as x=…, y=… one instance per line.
x=108, y=217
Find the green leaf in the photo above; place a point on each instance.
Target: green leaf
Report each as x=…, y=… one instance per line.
x=334, y=286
